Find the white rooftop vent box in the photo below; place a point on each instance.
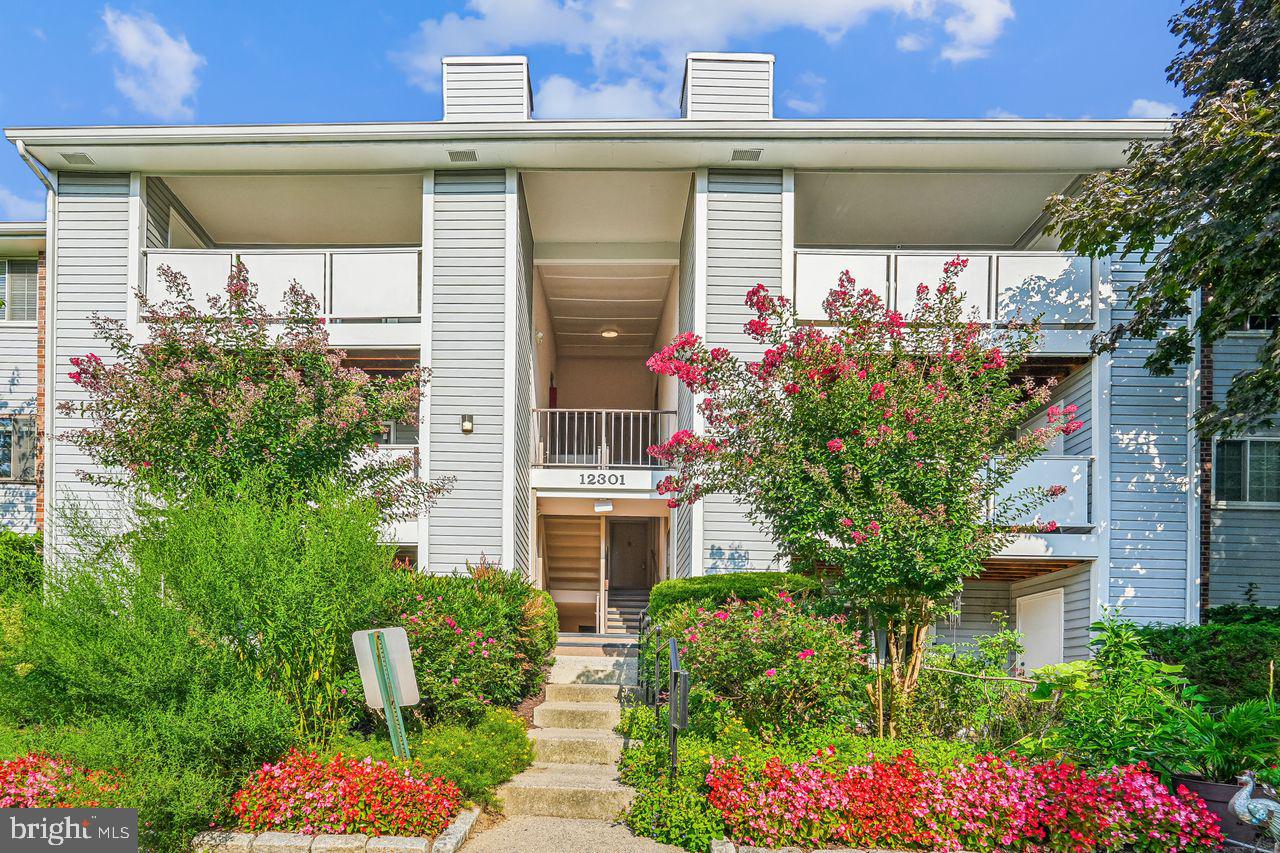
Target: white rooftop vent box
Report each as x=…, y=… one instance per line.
x=727, y=86
x=487, y=88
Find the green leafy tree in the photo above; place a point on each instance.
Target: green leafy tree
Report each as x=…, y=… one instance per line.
x=1202, y=205
x=213, y=395
x=876, y=446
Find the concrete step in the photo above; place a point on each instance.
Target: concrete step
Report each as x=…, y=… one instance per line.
x=589, y=791
x=600, y=716
x=593, y=669
x=575, y=746
x=582, y=693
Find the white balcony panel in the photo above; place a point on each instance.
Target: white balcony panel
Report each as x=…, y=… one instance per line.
x=1071, y=508
x=818, y=272
x=1057, y=287
x=272, y=272
x=375, y=284
x=375, y=334
x=206, y=272
x=974, y=282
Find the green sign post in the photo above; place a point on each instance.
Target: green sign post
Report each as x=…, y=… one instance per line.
x=386, y=671
x=390, y=701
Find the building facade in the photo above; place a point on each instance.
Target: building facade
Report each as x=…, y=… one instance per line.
x=535, y=265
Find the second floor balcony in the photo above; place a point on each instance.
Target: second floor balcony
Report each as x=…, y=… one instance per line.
x=600, y=438
x=367, y=296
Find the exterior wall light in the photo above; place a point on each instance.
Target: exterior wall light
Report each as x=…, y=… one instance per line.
x=468, y=424
x=604, y=506
x=609, y=333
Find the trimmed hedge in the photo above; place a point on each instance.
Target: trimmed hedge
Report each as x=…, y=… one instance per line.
x=21, y=560
x=1228, y=662
x=1242, y=614
x=713, y=590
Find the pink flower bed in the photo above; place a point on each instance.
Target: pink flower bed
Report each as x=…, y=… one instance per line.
x=39, y=781
x=302, y=793
x=991, y=804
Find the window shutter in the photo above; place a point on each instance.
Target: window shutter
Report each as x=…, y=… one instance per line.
x=4, y=290
x=1229, y=476
x=25, y=449
x=22, y=289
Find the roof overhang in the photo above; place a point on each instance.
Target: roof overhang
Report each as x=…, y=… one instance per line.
x=19, y=239
x=881, y=144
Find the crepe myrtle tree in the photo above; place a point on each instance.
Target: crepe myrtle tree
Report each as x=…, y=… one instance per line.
x=214, y=394
x=875, y=446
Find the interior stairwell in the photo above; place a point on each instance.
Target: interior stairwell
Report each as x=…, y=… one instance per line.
x=572, y=563
x=625, y=607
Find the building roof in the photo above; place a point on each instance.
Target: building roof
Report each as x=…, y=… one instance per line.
x=862, y=144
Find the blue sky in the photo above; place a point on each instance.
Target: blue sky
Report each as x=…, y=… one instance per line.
x=84, y=63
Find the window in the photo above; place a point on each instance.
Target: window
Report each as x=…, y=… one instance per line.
x=399, y=434
x=18, y=290
x=1262, y=322
x=1248, y=470
x=18, y=449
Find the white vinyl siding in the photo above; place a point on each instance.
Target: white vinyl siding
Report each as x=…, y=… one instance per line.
x=682, y=561
x=726, y=87
x=523, y=426
x=1149, y=480
x=468, y=270
x=91, y=277
x=1243, y=539
x=744, y=248
x=495, y=90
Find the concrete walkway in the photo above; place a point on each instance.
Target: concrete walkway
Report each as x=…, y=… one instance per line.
x=569, y=800
x=561, y=835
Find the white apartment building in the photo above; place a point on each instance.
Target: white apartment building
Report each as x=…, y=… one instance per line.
x=535, y=265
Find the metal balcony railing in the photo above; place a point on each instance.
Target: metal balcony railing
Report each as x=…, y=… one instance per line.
x=600, y=438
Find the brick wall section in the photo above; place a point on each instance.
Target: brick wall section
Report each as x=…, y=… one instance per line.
x=41, y=302
x=1206, y=478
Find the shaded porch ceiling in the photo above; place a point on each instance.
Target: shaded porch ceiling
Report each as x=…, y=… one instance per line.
x=305, y=210
x=589, y=300
x=924, y=209
x=606, y=245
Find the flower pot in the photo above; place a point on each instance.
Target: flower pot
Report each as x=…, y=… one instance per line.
x=1216, y=796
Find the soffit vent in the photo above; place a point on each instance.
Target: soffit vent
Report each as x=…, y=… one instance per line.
x=466, y=156
x=77, y=158
x=746, y=155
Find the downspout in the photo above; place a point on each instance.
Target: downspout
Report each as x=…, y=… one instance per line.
x=33, y=165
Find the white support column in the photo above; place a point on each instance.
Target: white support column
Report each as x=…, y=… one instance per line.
x=789, y=234
x=137, y=239
x=1194, y=496
x=696, y=567
x=1100, y=399
x=509, y=322
x=50, y=364
x=424, y=351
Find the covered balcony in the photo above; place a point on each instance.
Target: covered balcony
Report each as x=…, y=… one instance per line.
x=351, y=241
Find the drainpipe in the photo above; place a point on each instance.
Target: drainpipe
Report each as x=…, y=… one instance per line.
x=33, y=166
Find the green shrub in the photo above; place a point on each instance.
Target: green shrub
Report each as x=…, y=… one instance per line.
x=210, y=639
x=778, y=668
x=21, y=561
x=479, y=640
x=714, y=590
x=1242, y=614
x=477, y=758
x=1229, y=662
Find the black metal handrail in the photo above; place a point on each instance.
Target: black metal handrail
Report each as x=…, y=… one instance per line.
x=677, y=692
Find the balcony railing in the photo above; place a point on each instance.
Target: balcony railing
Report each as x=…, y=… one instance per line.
x=352, y=285
x=599, y=438
x=1058, y=287
x=1071, y=508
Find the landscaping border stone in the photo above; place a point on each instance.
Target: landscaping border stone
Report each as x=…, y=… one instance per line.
x=449, y=841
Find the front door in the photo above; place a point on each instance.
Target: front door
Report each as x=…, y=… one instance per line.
x=628, y=554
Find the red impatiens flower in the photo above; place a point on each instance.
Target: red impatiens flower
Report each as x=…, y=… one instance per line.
x=835, y=445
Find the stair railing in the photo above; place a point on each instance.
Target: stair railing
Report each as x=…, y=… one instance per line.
x=676, y=693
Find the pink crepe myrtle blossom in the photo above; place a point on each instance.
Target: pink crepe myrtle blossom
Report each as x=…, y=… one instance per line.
x=835, y=445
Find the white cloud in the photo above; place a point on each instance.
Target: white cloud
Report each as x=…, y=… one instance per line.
x=1146, y=108
x=16, y=207
x=911, y=43
x=974, y=26
x=635, y=45
x=1001, y=112
x=812, y=98
x=560, y=97
x=158, y=74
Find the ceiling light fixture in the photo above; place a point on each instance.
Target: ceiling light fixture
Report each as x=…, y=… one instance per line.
x=609, y=333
